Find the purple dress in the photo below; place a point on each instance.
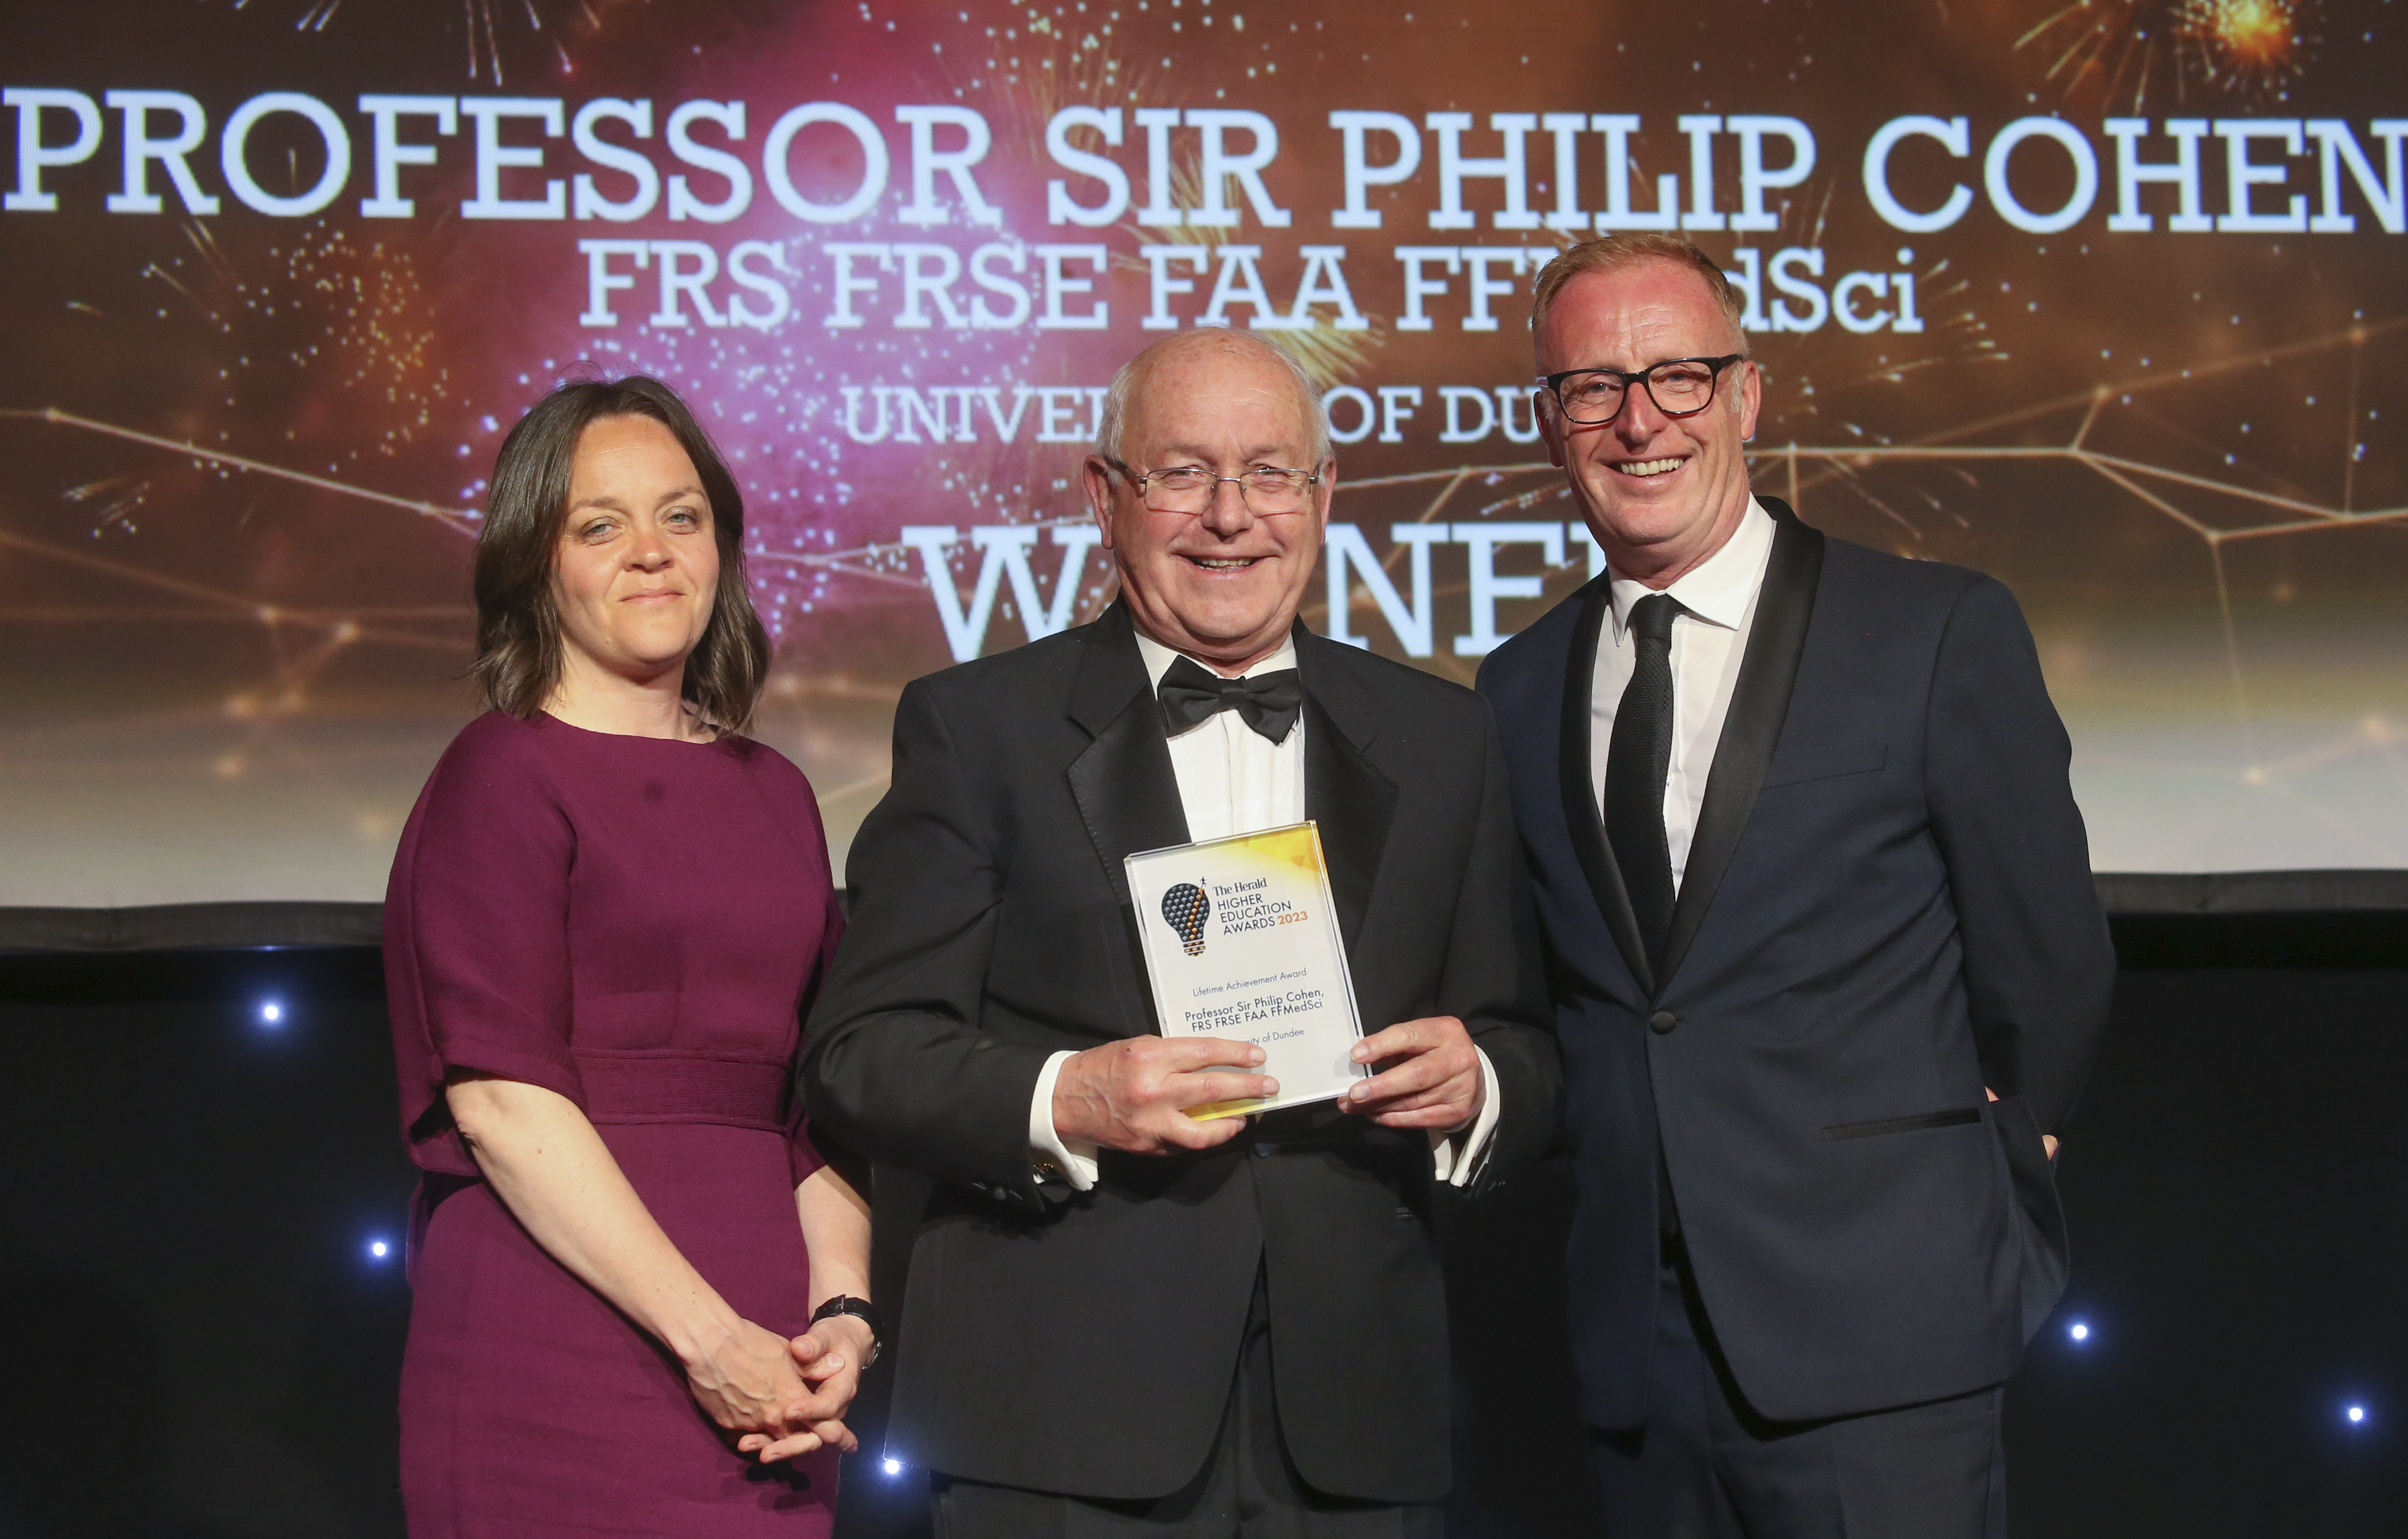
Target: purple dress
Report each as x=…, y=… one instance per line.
x=637, y=924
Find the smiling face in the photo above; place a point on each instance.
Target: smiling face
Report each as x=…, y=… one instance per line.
x=1661, y=494
x=637, y=569
x=1222, y=585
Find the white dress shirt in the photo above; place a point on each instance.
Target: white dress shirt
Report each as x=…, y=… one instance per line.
x=1716, y=609
x=1232, y=779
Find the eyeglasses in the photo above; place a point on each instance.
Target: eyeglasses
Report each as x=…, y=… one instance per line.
x=1190, y=488
x=1680, y=387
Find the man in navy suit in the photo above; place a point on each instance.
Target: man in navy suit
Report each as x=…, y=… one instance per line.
x=1828, y=965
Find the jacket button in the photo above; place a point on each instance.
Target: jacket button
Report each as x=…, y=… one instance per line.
x=1662, y=1022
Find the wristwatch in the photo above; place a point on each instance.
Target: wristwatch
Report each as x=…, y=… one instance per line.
x=862, y=1309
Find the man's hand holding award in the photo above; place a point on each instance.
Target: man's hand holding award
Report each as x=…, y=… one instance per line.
x=1249, y=973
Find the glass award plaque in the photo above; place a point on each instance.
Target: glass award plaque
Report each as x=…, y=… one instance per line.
x=1241, y=943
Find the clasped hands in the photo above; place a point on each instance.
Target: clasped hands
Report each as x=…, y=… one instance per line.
x=781, y=1398
x=1133, y=1095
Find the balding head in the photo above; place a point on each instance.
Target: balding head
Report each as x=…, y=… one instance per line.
x=1130, y=384
x=1217, y=568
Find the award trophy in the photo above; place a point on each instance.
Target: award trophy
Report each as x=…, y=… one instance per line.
x=1241, y=943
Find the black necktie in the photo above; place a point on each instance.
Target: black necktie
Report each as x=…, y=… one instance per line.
x=1269, y=702
x=1636, y=763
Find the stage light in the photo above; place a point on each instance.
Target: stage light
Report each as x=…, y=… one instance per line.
x=2356, y=1414
x=2079, y=1330
x=891, y=1466
x=378, y=1250
x=271, y=1012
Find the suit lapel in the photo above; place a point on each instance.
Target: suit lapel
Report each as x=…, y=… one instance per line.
x=1123, y=783
x=1759, y=704
x=1128, y=793
x=1582, y=814
x=1344, y=792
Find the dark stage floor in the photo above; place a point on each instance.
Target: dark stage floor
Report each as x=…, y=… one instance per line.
x=199, y=1333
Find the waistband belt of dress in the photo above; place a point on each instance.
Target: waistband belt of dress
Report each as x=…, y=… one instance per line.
x=624, y=1087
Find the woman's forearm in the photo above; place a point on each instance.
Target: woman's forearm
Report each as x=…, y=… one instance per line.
x=836, y=1232
x=831, y=1354
x=552, y=1171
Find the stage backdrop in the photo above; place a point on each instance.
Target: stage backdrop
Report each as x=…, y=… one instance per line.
x=2104, y=298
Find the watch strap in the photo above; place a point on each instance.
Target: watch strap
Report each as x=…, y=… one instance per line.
x=860, y=1309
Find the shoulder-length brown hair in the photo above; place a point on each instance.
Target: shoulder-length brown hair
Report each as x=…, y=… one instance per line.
x=518, y=625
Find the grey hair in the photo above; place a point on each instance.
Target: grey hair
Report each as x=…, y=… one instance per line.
x=1110, y=426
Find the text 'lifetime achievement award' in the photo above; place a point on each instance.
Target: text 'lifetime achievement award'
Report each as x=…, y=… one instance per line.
x=1241, y=943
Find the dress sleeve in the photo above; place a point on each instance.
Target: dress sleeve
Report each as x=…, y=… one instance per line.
x=478, y=936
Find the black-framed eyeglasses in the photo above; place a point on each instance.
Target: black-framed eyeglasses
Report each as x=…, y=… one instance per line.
x=1680, y=387
x=1189, y=488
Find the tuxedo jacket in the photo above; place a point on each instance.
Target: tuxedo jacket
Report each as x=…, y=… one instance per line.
x=1085, y=1343
x=1888, y=907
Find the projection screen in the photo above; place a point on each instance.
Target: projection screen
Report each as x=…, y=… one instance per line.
x=2104, y=299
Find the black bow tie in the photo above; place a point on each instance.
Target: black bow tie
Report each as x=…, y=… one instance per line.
x=1269, y=702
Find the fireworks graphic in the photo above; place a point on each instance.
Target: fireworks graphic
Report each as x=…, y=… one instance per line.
x=1331, y=354
x=2254, y=47
x=503, y=39
x=1802, y=399
x=2117, y=51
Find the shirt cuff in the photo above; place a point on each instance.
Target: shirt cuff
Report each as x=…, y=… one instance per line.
x=1458, y=1157
x=1051, y=1153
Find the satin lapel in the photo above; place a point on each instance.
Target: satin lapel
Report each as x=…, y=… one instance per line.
x=1123, y=783
x=1582, y=814
x=1759, y=704
x=1344, y=792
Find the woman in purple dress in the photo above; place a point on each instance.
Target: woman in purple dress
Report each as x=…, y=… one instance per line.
x=639, y=1290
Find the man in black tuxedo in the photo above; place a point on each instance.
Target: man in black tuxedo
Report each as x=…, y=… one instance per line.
x=1828, y=969
x=1120, y=1318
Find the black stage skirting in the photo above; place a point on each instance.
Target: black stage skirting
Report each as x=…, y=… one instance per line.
x=174, y=926
x=196, y=1337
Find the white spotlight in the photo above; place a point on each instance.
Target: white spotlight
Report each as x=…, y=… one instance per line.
x=2356, y=1413
x=892, y=1466
x=379, y=1249
x=271, y=1013
x=2078, y=1331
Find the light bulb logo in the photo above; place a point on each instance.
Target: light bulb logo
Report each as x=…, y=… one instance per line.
x=1184, y=909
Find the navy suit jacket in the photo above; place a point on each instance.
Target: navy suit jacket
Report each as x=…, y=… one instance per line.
x=1888, y=907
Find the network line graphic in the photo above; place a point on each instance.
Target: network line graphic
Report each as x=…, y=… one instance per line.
x=2218, y=507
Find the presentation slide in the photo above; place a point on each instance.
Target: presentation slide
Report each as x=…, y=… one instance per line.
x=2105, y=299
